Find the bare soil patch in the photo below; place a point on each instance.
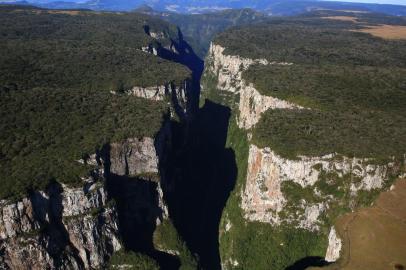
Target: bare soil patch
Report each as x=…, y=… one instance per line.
x=385, y=31
x=374, y=238
x=342, y=18
x=67, y=12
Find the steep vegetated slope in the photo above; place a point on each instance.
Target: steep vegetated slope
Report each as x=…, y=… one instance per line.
x=317, y=127
x=86, y=106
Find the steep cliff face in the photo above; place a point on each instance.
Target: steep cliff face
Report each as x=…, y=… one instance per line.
x=160, y=92
x=153, y=93
x=252, y=104
x=228, y=71
x=62, y=227
x=79, y=228
x=263, y=199
x=133, y=156
x=178, y=94
x=303, y=193
x=334, y=246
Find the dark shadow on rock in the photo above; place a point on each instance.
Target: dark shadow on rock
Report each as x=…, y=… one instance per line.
x=306, y=262
x=202, y=174
x=53, y=230
x=184, y=54
x=137, y=207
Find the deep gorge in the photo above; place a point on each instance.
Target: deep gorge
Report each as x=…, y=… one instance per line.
x=200, y=172
x=125, y=149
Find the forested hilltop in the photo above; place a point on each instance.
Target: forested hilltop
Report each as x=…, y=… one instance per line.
x=58, y=70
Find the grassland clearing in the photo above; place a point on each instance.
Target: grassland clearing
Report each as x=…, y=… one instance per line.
x=385, y=31
x=374, y=237
x=342, y=18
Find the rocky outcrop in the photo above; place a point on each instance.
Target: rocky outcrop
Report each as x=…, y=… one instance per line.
x=158, y=93
x=252, y=104
x=228, y=68
x=133, y=157
x=263, y=200
x=262, y=197
x=64, y=228
x=228, y=71
x=78, y=227
x=334, y=246
x=153, y=93
x=304, y=192
x=136, y=169
x=178, y=95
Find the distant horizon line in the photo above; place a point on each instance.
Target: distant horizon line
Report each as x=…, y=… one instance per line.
x=383, y=2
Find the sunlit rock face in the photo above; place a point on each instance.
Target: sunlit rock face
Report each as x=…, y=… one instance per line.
x=334, y=246
x=228, y=70
x=253, y=104
x=67, y=227
x=63, y=227
x=263, y=199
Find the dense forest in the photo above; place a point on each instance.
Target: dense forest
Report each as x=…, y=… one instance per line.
x=354, y=110
x=57, y=69
x=353, y=84
x=308, y=40
x=82, y=50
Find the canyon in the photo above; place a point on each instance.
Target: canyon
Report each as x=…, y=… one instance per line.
x=201, y=192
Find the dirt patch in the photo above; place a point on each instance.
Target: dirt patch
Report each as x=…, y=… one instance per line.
x=67, y=12
x=385, y=31
x=342, y=18
x=345, y=10
x=375, y=237
x=354, y=11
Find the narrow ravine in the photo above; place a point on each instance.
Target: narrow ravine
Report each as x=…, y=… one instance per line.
x=202, y=170
x=204, y=173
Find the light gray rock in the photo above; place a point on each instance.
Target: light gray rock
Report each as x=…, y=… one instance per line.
x=153, y=93
x=334, y=246
x=94, y=235
x=262, y=197
x=62, y=228
x=133, y=157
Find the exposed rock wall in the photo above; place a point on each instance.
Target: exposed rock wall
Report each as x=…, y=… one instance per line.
x=334, y=246
x=262, y=196
x=136, y=177
x=152, y=93
x=134, y=156
x=64, y=228
x=252, y=104
x=78, y=227
x=159, y=92
x=263, y=200
x=178, y=95
x=228, y=70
